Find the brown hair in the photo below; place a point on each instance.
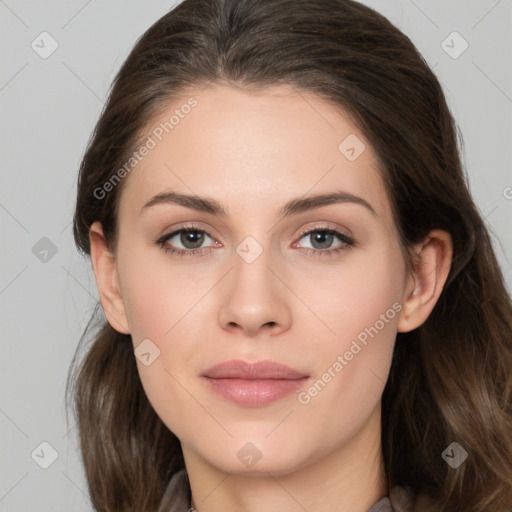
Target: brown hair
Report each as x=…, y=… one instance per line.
x=450, y=379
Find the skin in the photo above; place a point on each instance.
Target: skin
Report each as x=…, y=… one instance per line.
x=253, y=152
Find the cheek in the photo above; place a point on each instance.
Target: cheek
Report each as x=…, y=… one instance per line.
x=150, y=308
x=159, y=299
x=157, y=294
x=360, y=304
x=363, y=291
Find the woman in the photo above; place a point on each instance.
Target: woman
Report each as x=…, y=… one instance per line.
x=303, y=306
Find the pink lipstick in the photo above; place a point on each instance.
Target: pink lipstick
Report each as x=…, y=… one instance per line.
x=253, y=384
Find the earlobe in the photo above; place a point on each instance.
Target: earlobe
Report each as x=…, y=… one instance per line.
x=105, y=271
x=432, y=261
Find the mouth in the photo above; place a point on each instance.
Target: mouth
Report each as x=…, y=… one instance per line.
x=253, y=384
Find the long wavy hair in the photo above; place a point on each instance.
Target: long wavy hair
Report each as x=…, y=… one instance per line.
x=450, y=379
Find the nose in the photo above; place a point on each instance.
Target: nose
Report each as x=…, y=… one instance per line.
x=254, y=299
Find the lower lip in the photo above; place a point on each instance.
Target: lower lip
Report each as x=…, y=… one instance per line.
x=254, y=393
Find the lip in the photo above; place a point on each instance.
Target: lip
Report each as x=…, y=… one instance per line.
x=238, y=369
x=253, y=384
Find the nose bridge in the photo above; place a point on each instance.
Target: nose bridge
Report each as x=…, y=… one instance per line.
x=253, y=296
x=252, y=279
x=252, y=262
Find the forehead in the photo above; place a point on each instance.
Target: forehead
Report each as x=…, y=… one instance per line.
x=253, y=150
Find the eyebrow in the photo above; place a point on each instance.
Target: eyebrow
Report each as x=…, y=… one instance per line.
x=294, y=206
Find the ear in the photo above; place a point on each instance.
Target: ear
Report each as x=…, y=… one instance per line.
x=105, y=271
x=432, y=261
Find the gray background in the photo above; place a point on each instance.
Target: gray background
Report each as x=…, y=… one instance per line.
x=49, y=108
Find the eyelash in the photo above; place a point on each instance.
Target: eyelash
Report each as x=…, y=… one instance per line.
x=348, y=242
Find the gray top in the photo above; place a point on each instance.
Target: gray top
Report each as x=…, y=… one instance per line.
x=177, y=497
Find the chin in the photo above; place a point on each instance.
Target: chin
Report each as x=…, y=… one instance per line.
x=256, y=459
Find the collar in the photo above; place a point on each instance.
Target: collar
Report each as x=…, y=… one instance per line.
x=177, y=497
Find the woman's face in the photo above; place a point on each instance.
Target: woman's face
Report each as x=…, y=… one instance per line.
x=316, y=285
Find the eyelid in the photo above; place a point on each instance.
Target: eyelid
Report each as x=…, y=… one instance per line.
x=347, y=240
x=326, y=227
x=304, y=231
x=191, y=226
x=185, y=227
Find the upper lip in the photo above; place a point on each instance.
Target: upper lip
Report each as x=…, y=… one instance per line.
x=238, y=369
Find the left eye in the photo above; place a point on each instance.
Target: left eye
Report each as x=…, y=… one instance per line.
x=321, y=239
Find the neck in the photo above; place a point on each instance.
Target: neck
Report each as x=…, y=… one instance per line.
x=349, y=478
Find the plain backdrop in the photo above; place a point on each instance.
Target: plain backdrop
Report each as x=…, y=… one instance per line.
x=48, y=109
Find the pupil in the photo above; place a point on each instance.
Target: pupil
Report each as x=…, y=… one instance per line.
x=192, y=239
x=323, y=238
